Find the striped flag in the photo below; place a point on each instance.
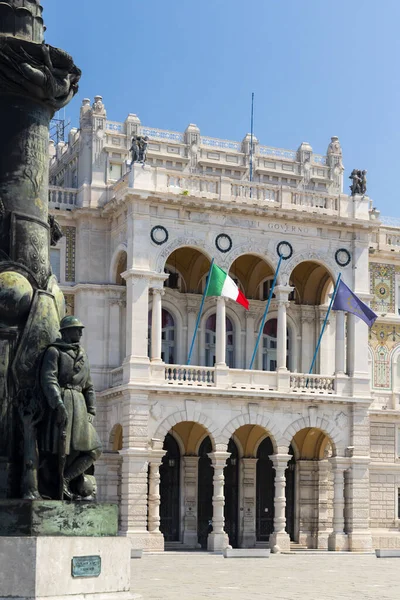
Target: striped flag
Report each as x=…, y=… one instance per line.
x=220, y=284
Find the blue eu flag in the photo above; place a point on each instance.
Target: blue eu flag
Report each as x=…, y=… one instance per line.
x=346, y=300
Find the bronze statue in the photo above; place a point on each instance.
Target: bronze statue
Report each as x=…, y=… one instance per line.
x=134, y=149
x=359, y=182
x=67, y=428
x=138, y=149
x=35, y=81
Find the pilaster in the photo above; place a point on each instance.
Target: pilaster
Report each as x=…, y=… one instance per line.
x=248, y=538
x=338, y=539
x=190, y=483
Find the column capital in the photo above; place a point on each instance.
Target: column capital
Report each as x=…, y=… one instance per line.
x=280, y=460
x=282, y=292
x=219, y=458
x=157, y=291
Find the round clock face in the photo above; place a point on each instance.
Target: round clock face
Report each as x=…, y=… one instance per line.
x=342, y=257
x=159, y=235
x=223, y=242
x=284, y=250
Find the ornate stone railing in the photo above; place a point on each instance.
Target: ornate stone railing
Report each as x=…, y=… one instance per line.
x=115, y=126
x=186, y=375
x=277, y=152
x=193, y=184
x=63, y=198
x=255, y=191
x=321, y=384
x=320, y=201
x=162, y=134
x=217, y=143
x=116, y=377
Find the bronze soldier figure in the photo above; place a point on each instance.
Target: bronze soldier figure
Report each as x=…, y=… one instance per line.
x=67, y=386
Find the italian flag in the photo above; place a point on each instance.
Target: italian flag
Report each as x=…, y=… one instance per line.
x=220, y=284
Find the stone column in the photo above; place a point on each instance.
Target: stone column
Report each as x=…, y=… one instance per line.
x=153, y=519
x=281, y=293
x=220, y=350
x=323, y=504
x=156, y=325
x=136, y=363
x=190, y=483
x=339, y=343
x=338, y=539
x=280, y=540
x=248, y=537
x=218, y=539
x=192, y=312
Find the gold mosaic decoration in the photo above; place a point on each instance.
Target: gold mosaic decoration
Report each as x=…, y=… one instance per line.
x=70, y=238
x=383, y=339
x=382, y=286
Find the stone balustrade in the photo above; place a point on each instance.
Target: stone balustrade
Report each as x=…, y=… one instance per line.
x=186, y=375
x=62, y=198
x=116, y=377
x=224, y=189
x=320, y=384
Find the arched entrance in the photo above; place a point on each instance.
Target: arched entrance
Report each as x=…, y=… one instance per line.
x=205, y=493
x=170, y=490
x=231, y=509
x=265, y=491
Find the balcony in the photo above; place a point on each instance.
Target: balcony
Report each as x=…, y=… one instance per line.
x=239, y=381
x=62, y=198
x=187, y=188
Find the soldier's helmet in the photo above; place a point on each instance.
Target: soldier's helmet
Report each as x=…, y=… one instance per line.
x=70, y=321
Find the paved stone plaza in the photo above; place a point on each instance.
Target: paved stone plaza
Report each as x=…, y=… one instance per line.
x=196, y=576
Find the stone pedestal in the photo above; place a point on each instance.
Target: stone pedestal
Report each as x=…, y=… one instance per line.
x=54, y=518
x=36, y=568
x=58, y=550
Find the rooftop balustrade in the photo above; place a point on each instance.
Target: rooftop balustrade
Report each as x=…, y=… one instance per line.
x=230, y=191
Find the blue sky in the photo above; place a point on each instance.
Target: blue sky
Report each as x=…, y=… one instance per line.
x=317, y=69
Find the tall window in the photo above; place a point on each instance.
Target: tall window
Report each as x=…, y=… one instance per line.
x=269, y=346
x=210, y=341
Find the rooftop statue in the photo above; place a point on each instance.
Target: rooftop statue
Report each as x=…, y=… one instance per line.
x=359, y=182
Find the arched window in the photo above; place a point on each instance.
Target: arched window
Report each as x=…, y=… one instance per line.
x=269, y=346
x=210, y=341
x=168, y=337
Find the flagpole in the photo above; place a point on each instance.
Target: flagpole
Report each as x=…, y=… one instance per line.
x=324, y=325
x=265, y=313
x=251, y=141
x=200, y=311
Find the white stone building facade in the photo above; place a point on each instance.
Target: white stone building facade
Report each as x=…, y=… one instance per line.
x=215, y=453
